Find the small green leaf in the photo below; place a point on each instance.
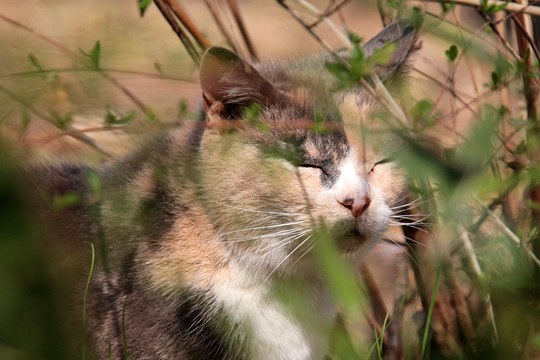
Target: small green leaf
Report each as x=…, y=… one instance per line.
x=114, y=118
x=68, y=199
x=421, y=113
x=381, y=56
x=183, y=108
x=157, y=66
x=94, y=182
x=34, y=61
x=95, y=55
x=495, y=80
x=252, y=115
x=536, y=340
x=447, y=6
x=451, y=53
x=355, y=39
x=143, y=5
x=62, y=121
x=318, y=122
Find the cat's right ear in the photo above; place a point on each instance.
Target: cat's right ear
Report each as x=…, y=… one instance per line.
x=404, y=36
x=229, y=83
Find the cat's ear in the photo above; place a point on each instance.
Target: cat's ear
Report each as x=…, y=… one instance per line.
x=228, y=79
x=404, y=36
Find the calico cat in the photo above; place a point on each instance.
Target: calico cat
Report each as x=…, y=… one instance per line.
x=205, y=236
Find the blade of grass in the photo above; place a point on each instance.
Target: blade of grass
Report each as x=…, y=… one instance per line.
x=85, y=298
x=430, y=315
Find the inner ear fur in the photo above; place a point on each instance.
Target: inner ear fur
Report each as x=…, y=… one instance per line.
x=226, y=78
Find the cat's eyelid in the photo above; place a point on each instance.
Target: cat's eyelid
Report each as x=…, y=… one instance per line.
x=380, y=162
x=313, y=166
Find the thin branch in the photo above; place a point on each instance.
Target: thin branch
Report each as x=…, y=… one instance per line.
x=167, y=13
x=472, y=266
x=235, y=9
x=508, y=6
x=214, y=12
x=183, y=16
x=324, y=17
x=109, y=70
x=511, y=235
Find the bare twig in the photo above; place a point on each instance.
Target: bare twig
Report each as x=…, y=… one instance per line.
x=323, y=17
x=235, y=9
x=217, y=18
x=508, y=6
x=167, y=13
x=183, y=16
x=472, y=266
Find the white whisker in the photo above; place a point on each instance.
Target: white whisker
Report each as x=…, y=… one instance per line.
x=264, y=227
x=288, y=256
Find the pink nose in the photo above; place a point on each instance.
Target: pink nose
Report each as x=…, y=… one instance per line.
x=357, y=205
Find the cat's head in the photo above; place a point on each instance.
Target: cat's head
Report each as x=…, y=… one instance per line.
x=284, y=155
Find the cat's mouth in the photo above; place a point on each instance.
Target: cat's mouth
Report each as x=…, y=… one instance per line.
x=349, y=239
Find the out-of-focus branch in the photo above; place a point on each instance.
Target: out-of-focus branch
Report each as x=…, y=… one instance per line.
x=508, y=6
x=167, y=13
x=235, y=9
x=184, y=18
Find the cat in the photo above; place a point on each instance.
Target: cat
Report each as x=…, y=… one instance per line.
x=204, y=237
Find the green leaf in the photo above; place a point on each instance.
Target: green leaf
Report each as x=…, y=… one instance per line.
x=252, y=115
x=451, y=53
x=421, y=113
x=143, y=5
x=34, y=61
x=68, y=199
x=355, y=39
x=183, y=109
x=114, y=118
x=95, y=55
x=94, y=182
x=380, y=57
x=495, y=80
x=62, y=121
x=536, y=340
x=157, y=66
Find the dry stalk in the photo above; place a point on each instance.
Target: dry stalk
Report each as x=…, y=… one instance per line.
x=168, y=14
x=509, y=6
x=235, y=10
x=216, y=14
x=182, y=15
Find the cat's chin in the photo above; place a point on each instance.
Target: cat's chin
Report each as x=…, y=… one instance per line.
x=350, y=241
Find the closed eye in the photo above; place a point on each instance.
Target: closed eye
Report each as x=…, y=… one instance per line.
x=380, y=162
x=309, y=165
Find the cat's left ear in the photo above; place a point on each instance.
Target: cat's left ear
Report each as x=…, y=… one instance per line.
x=404, y=36
x=233, y=82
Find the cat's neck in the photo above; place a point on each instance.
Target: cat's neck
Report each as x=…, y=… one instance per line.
x=282, y=318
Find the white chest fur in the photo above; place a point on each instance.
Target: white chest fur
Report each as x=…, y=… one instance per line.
x=278, y=324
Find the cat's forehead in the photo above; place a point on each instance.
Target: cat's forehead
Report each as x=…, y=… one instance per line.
x=333, y=146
